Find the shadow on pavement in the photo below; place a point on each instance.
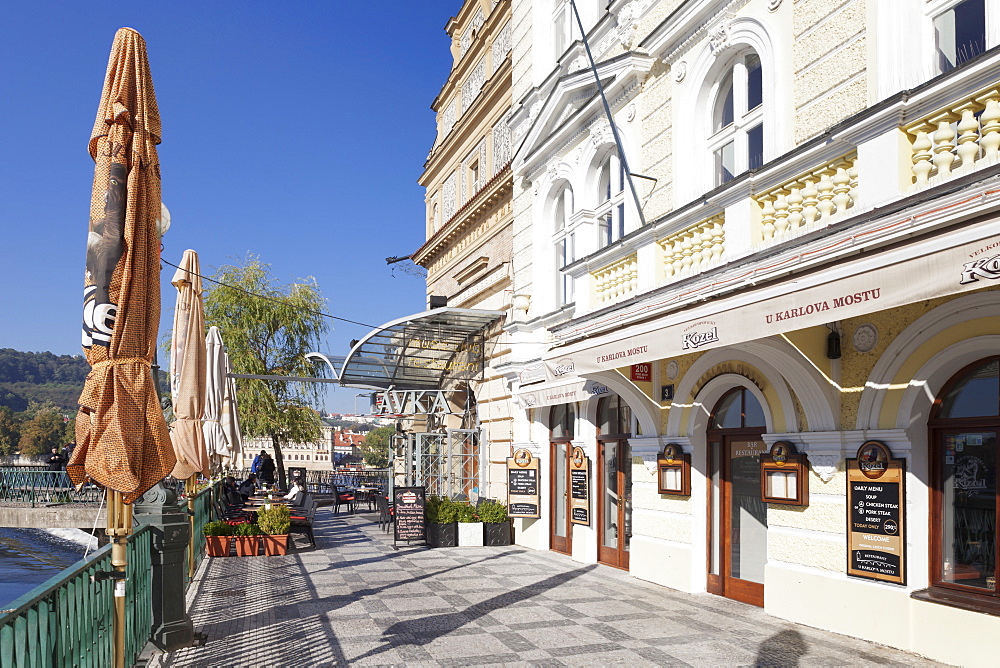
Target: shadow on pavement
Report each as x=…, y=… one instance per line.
x=424, y=630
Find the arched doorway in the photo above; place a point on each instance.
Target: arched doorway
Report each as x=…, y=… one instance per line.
x=737, y=518
x=614, y=501
x=562, y=423
x=964, y=423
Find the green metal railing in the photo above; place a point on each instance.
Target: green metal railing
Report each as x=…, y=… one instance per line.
x=67, y=621
x=40, y=486
x=203, y=514
x=138, y=593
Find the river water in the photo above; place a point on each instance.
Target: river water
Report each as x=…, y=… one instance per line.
x=29, y=557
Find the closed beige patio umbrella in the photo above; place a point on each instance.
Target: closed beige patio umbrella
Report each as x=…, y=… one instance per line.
x=188, y=360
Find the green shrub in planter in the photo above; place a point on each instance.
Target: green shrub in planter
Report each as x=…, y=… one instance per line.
x=466, y=513
x=248, y=529
x=274, y=521
x=217, y=528
x=441, y=513
x=496, y=523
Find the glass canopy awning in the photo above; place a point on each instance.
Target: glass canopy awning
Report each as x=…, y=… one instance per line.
x=419, y=352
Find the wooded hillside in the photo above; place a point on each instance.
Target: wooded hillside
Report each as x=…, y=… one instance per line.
x=41, y=377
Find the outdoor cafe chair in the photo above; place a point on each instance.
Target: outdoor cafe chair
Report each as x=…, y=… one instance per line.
x=302, y=520
x=343, y=497
x=386, y=513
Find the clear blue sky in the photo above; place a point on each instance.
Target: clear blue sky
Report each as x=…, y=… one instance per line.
x=292, y=130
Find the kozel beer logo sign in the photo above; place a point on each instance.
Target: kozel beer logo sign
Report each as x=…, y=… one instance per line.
x=873, y=459
x=700, y=334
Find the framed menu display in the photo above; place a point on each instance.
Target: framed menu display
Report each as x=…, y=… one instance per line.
x=522, y=485
x=579, y=481
x=674, y=467
x=784, y=475
x=876, y=514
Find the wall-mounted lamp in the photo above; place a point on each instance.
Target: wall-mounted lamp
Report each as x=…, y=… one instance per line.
x=833, y=345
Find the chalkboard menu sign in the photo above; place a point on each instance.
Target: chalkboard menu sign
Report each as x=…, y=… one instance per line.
x=579, y=483
x=876, y=526
x=411, y=523
x=522, y=485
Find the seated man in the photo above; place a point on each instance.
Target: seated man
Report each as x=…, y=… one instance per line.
x=247, y=487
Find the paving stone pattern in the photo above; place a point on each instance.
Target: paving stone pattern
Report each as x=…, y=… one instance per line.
x=355, y=600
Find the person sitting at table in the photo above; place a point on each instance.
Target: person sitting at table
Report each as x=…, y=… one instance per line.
x=231, y=493
x=247, y=487
x=298, y=486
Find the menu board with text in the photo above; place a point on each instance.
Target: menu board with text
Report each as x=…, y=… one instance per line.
x=579, y=482
x=522, y=485
x=876, y=527
x=410, y=521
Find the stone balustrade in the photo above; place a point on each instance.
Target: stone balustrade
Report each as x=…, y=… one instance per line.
x=957, y=139
x=617, y=281
x=693, y=249
x=809, y=200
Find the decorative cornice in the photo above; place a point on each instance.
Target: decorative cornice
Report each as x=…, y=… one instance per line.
x=488, y=195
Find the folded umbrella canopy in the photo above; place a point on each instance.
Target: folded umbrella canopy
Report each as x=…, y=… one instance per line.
x=188, y=359
x=122, y=438
x=231, y=416
x=216, y=441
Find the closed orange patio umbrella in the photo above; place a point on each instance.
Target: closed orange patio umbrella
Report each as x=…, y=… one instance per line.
x=122, y=438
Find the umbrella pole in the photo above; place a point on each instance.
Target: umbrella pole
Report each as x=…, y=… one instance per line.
x=119, y=527
x=191, y=487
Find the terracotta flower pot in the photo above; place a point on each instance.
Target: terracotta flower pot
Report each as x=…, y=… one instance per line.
x=217, y=546
x=247, y=546
x=276, y=546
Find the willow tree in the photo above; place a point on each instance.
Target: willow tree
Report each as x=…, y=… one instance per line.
x=268, y=328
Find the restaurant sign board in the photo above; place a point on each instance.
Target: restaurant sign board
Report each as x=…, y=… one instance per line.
x=579, y=483
x=522, y=485
x=410, y=519
x=876, y=521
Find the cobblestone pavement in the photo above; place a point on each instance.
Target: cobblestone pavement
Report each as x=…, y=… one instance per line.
x=356, y=600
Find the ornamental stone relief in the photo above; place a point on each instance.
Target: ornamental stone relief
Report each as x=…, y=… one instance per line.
x=680, y=71
x=865, y=338
x=718, y=37
x=600, y=133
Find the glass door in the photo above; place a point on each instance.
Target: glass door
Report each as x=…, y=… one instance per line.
x=615, y=504
x=561, y=533
x=737, y=518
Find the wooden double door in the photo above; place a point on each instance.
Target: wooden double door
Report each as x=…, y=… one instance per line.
x=737, y=518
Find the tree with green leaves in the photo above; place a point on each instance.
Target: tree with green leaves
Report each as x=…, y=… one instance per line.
x=44, y=429
x=10, y=431
x=268, y=328
x=375, y=449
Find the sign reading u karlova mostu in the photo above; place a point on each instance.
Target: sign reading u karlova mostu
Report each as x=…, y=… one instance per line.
x=842, y=291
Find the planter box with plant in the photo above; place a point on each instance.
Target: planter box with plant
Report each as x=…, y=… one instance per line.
x=275, y=523
x=248, y=539
x=442, y=527
x=218, y=536
x=496, y=524
x=470, y=529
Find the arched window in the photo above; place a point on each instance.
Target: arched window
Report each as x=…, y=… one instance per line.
x=562, y=422
x=611, y=201
x=614, y=416
x=565, y=242
x=737, y=140
x=738, y=409
x=964, y=424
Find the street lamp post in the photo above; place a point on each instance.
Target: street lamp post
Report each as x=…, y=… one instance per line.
x=362, y=394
